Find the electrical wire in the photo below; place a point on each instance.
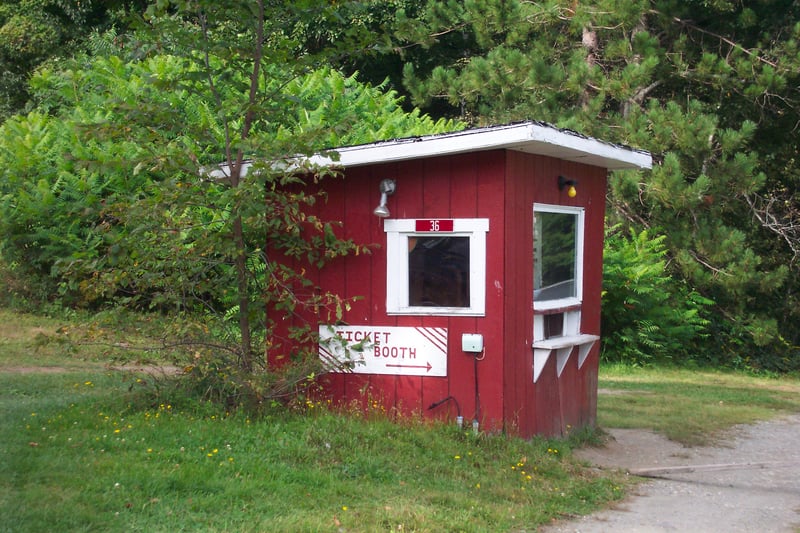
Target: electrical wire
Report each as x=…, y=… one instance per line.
x=477, y=388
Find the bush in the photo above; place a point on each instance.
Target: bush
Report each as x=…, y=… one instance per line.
x=647, y=315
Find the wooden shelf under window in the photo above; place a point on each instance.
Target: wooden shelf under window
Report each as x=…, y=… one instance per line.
x=563, y=347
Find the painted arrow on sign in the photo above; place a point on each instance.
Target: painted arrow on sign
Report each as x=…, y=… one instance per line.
x=426, y=366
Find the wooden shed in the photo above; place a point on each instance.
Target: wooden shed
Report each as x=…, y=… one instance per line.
x=482, y=302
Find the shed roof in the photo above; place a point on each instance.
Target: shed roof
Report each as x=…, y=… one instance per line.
x=531, y=137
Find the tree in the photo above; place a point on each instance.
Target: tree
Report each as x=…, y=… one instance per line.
x=221, y=85
x=33, y=32
x=705, y=86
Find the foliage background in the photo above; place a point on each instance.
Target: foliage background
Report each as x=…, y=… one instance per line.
x=710, y=88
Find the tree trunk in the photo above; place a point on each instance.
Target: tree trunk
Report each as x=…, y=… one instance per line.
x=246, y=348
x=589, y=42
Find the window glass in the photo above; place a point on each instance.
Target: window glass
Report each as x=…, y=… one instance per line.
x=555, y=255
x=438, y=271
x=553, y=325
x=436, y=267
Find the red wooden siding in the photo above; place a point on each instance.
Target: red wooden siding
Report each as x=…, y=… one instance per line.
x=464, y=186
x=553, y=404
x=519, y=408
x=502, y=186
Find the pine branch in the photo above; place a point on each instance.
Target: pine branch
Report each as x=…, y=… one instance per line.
x=722, y=38
x=712, y=268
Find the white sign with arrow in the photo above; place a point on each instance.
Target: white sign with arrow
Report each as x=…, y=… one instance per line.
x=402, y=351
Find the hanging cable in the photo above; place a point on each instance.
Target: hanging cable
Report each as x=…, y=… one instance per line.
x=477, y=387
x=434, y=405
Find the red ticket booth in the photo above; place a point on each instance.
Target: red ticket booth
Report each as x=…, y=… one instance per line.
x=483, y=299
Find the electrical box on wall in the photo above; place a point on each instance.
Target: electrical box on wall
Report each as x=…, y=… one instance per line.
x=472, y=342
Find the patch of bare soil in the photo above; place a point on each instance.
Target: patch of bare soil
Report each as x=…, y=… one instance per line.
x=151, y=370
x=750, y=482
x=629, y=449
x=36, y=369
x=15, y=332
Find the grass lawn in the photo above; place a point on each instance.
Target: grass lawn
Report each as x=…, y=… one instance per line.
x=86, y=448
x=82, y=453
x=691, y=406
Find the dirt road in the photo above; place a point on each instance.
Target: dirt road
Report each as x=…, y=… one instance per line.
x=750, y=482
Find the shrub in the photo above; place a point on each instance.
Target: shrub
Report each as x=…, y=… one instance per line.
x=647, y=315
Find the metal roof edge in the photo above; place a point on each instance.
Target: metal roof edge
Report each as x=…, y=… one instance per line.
x=529, y=136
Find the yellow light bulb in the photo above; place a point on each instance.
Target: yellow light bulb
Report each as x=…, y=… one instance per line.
x=572, y=192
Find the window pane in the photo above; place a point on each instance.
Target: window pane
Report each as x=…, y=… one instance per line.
x=553, y=325
x=438, y=271
x=554, y=238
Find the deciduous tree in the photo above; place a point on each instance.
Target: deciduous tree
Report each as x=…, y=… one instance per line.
x=33, y=32
x=143, y=132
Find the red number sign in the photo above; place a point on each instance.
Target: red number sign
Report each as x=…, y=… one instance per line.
x=434, y=225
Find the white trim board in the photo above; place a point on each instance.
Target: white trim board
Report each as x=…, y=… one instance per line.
x=529, y=137
x=562, y=346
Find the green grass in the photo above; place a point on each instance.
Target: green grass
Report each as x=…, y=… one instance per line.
x=82, y=453
x=86, y=448
x=78, y=341
x=694, y=407
x=28, y=340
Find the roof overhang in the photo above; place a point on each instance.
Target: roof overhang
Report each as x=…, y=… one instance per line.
x=529, y=137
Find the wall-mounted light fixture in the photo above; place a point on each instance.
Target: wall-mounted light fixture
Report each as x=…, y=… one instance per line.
x=570, y=184
x=387, y=188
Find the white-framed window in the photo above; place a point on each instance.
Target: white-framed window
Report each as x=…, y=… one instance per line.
x=557, y=256
x=436, y=266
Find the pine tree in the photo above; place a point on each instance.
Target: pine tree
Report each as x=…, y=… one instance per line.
x=710, y=88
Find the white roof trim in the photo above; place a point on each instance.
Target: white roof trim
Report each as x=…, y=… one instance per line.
x=530, y=137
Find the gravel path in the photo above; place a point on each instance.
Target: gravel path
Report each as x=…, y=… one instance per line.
x=756, y=487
